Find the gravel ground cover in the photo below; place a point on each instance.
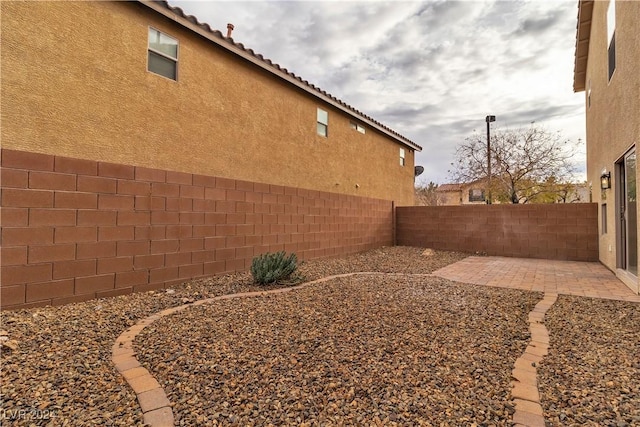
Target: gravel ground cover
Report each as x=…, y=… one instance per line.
x=56, y=368
x=591, y=376
x=56, y=365
x=362, y=350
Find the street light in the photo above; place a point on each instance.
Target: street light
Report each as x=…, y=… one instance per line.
x=489, y=119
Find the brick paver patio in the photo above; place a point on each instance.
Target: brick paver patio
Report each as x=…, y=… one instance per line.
x=588, y=279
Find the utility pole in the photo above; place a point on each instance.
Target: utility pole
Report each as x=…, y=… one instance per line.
x=489, y=119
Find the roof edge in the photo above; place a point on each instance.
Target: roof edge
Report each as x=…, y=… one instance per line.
x=583, y=34
x=191, y=22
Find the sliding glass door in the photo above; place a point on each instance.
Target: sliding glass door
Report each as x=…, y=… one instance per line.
x=627, y=208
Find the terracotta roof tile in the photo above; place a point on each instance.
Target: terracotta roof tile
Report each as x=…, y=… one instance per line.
x=449, y=187
x=217, y=34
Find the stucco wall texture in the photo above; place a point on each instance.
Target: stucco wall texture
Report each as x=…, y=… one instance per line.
x=565, y=231
x=613, y=116
x=75, y=83
x=76, y=229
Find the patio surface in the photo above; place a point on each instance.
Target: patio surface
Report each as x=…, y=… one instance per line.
x=587, y=279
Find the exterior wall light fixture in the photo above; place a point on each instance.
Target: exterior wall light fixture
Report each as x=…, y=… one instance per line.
x=605, y=180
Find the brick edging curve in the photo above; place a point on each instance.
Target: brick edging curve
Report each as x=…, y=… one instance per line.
x=525, y=392
x=156, y=407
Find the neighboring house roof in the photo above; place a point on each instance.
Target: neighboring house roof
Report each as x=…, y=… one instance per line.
x=449, y=187
x=459, y=186
x=191, y=22
x=583, y=33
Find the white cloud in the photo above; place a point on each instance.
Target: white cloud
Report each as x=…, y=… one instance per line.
x=430, y=70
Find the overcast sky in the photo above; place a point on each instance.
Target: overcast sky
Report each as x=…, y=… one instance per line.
x=430, y=70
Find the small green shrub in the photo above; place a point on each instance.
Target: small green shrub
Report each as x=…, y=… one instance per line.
x=273, y=267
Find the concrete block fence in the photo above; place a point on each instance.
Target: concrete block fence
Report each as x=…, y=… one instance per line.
x=74, y=230
x=551, y=231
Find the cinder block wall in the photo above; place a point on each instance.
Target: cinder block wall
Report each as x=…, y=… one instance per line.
x=558, y=231
x=74, y=230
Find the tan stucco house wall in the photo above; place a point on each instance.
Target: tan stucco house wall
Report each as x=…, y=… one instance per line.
x=612, y=123
x=461, y=194
x=75, y=83
x=449, y=195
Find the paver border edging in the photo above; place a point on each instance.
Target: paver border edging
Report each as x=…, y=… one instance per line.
x=156, y=407
x=525, y=391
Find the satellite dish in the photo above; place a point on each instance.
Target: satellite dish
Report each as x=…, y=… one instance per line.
x=418, y=170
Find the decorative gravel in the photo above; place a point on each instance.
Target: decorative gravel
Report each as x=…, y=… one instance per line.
x=379, y=350
x=56, y=361
x=362, y=350
x=591, y=375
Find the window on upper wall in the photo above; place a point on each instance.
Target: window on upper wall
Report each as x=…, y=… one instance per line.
x=357, y=126
x=402, y=157
x=611, y=36
x=162, y=54
x=323, y=122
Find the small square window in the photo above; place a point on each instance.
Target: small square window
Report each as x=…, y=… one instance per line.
x=402, y=157
x=162, y=54
x=323, y=123
x=476, y=195
x=356, y=126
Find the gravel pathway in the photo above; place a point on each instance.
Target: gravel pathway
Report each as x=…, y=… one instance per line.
x=591, y=376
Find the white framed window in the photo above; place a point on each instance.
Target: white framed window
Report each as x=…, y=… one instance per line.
x=323, y=122
x=611, y=37
x=162, y=54
x=357, y=126
x=402, y=157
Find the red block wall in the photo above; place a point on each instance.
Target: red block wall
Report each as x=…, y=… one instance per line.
x=74, y=230
x=551, y=231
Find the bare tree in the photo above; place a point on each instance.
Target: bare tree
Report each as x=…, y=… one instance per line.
x=563, y=192
x=523, y=162
x=426, y=194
